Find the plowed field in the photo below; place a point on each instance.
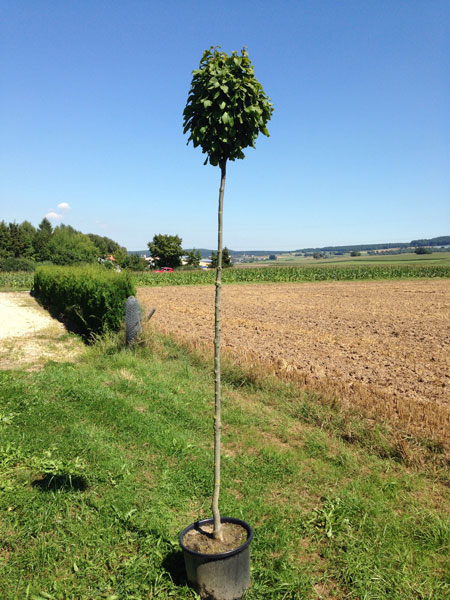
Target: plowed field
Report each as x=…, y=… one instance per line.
x=381, y=345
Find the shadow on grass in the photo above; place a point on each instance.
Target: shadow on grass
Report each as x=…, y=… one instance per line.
x=68, y=483
x=173, y=563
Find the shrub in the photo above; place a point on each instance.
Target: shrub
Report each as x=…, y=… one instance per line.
x=92, y=298
x=12, y=264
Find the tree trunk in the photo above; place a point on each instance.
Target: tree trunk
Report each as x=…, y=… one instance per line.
x=217, y=398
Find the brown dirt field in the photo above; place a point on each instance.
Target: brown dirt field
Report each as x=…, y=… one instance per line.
x=382, y=345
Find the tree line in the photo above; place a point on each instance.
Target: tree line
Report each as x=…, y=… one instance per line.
x=22, y=245
x=167, y=251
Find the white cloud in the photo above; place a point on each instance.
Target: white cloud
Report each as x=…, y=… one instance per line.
x=64, y=206
x=52, y=216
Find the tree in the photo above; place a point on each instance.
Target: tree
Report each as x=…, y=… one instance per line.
x=423, y=250
x=272, y=257
x=69, y=246
x=106, y=246
x=193, y=257
x=5, y=250
x=226, y=110
x=42, y=240
x=226, y=259
x=355, y=253
x=133, y=262
x=166, y=250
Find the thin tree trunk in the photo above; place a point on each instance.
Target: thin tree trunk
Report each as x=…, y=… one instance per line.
x=217, y=398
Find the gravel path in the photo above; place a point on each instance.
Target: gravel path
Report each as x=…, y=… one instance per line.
x=29, y=336
x=21, y=315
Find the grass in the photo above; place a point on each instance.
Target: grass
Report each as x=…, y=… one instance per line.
x=103, y=462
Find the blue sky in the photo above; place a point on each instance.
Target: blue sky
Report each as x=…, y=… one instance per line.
x=92, y=94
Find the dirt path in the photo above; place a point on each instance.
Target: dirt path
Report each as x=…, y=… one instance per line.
x=384, y=345
x=29, y=336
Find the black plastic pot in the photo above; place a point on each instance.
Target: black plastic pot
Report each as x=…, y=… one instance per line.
x=224, y=576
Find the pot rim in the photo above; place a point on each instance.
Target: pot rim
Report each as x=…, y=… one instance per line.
x=217, y=555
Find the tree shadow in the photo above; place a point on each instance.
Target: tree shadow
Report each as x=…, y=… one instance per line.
x=62, y=482
x=173, y=563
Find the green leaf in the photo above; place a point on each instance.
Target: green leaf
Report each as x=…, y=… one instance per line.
x=225, y=118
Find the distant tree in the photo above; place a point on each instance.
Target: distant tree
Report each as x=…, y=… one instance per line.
x=42, y=240
x=317, y=255
x=69, y=246
x=5, y=250
x=133, y=262
x=226, y=259
x=273, y=257
x=106, y=246
x=21, y=239
x=355, y=253
x=423, y=250
x=193, y=257
x=166, y=250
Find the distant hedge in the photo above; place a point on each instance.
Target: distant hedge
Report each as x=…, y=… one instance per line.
x=11, y=264
x=91, y=297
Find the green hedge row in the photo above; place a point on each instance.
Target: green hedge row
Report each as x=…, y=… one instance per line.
x=17, y=264
x=91, y=297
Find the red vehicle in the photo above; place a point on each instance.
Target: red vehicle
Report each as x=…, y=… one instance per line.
x=164, y=270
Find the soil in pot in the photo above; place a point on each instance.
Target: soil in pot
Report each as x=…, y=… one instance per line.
x=201, y=539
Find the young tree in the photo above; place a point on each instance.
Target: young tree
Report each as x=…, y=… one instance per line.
x=226, y=110
x=166, y=250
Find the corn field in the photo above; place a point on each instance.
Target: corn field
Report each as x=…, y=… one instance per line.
x=16, y=281
x=24, y=281
x=293, y=274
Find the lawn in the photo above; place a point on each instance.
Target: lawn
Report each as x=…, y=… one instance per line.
x=103, y=462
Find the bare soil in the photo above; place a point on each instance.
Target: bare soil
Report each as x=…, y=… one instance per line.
x=202, y=540
x=382, y=345
x=29, y=336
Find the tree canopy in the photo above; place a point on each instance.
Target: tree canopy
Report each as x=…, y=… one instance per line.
x=166, y=250
x=61, y=245
x=227, y=107
x=226, y=259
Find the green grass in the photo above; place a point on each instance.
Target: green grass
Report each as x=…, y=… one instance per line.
x=437, y=258
x=103, y=462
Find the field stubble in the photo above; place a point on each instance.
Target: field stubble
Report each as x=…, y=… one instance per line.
x=383, y=346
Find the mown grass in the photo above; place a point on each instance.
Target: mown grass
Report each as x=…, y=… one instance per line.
x=103, y=462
